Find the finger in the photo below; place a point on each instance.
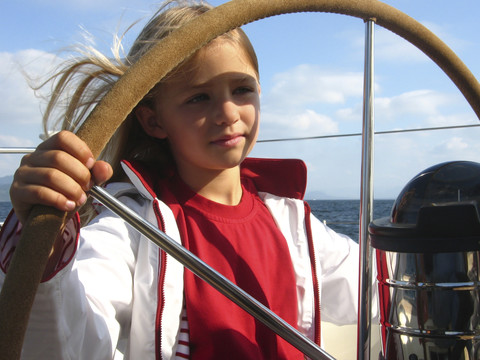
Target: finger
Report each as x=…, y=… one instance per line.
x=56, y=160
x=25, y=196
x=101, y=172
x=72, y=144
x=42, y=196
x=36, y=179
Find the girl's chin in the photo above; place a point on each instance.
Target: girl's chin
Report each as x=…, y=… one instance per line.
x=230, y=163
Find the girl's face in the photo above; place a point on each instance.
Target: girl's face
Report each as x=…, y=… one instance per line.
x=209, y=111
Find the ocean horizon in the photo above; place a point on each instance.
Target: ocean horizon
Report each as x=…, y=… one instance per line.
x=340, y=215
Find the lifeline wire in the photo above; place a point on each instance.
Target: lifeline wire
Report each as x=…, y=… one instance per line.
x=18, y=150
x=376, y=133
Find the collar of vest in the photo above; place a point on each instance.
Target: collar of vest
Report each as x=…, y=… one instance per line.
x=280, y=177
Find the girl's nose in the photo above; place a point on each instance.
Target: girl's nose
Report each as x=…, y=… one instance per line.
x=227, y=112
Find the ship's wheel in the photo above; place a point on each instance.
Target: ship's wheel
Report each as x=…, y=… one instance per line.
x=44, y=224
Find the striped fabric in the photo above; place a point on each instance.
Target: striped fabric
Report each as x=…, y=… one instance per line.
x=183, y=349
x=66, y=245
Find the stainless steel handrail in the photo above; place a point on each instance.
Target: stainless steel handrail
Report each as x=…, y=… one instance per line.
x=366, y=200
x=16, y=150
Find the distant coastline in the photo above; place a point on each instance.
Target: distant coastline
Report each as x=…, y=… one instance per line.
x=5, y=187
x=5, y=182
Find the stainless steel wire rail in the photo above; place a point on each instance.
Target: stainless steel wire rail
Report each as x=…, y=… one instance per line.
x=27, y=150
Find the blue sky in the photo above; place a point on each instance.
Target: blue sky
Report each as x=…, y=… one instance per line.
x=311, y=68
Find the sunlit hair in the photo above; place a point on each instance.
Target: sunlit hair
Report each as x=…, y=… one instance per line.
x=81, y=83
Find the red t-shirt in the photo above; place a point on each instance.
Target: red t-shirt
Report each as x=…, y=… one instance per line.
x=244, y=244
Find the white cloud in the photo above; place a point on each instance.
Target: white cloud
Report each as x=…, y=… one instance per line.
x=425, y=104
x=300, y=124
x=20, y=105
x=310, y=84
x=392, y=47
x=20, y=114
x=10, y=162
x=389, y=46
x=310, y=120
x=351, y=114
x=14, y=141
x=456, y=144
x=459, y=146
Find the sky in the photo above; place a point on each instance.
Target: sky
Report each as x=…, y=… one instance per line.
x=311, y=73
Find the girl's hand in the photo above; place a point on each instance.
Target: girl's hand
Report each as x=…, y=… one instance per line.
x=57, y=174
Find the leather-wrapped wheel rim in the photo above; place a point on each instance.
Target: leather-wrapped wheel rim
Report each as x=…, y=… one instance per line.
x=44, y=224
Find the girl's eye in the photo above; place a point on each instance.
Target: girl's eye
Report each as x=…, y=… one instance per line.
x=197, y=98
x=243, y=90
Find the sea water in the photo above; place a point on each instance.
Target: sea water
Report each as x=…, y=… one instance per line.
x=340, y=215
x=343, y=215
x=5, y=208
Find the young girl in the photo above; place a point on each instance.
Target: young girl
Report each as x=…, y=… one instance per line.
x=106, y=289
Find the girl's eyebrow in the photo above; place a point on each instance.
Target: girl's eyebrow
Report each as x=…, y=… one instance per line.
x=246, y=79
x=237, y=78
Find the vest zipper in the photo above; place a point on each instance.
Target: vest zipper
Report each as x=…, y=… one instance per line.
x=313, y=263
x=162, y=255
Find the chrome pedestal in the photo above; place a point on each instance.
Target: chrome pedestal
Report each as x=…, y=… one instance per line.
x=431, y=305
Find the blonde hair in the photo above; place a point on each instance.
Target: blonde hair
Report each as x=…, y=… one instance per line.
x=82, y=82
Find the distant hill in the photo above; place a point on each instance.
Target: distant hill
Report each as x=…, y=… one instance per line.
x=320, y=195
x=5, y=182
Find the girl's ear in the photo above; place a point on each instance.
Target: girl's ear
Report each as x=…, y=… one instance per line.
x=149, y=122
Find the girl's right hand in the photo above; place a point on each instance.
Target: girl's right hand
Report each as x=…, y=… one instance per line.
x=57, y=174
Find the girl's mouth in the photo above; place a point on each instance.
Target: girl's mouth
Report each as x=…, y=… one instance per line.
x=229, y=141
